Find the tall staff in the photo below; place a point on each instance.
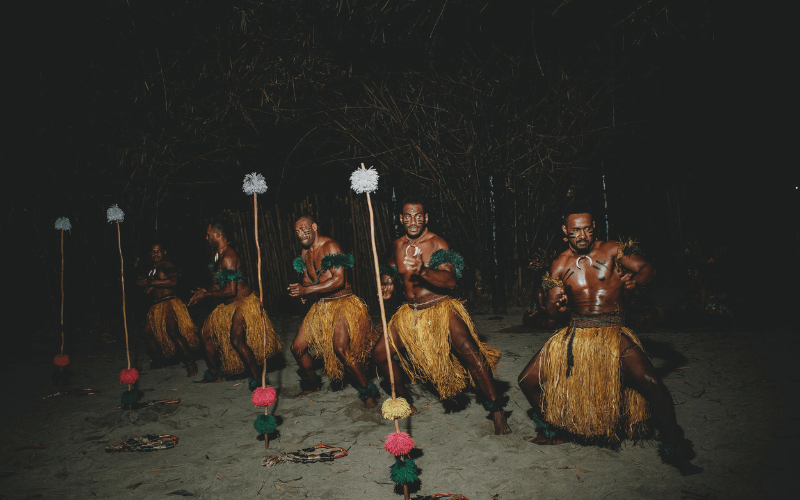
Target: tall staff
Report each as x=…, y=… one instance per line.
x=265, y=396
x=128, y=375
x=61, y=360
x=404, y=471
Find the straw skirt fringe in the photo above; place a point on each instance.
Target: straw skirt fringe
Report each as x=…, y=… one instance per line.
x=157, y=321
x=429, y=357
x=591, y=401
x=320, y=323
x=220, y=321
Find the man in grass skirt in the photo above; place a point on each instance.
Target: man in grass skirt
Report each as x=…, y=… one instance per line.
x=233, y=333
x=338, y=327
x=592, y=378
x=169, y=329
x=432, y=331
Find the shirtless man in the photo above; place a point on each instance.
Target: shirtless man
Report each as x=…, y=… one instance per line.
x=593, y=378
x=234, y=326
x=169, y=326
x=433, y=329
x=338, y=326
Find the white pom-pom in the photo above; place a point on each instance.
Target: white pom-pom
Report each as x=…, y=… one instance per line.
x=364, y=180
x=63, y=224
x=254, y=183
x=115, y=214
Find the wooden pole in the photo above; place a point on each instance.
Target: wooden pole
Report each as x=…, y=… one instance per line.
x=383, y=314
x=261, y=298
x=124, y=314
x=62, y=294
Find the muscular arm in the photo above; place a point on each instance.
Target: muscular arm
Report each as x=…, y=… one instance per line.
x=444, y=276
x=171, y=280
x=640, y=272
x=556, y=298
x=230, y=290
x=333, y=282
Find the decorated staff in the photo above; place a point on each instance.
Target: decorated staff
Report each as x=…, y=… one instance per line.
x=128, y=375
x=404, y=471
x=265, y=396
x=61, y=360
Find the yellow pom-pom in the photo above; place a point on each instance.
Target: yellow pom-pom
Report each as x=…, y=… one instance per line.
x=395, y=408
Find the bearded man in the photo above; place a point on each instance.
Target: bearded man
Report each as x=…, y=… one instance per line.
x=433, y=330
x=592, y=378
x=338, y=326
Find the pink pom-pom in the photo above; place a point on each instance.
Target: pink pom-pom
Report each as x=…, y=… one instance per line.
x=129, y=376
x=61, y=360
x=264, y=396
x=398, y=443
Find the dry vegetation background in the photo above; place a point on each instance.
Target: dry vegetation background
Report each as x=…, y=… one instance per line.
x=497, y=112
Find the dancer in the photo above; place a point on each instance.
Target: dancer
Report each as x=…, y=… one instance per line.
x=235, y=326
x=432, y=328
x=338, y=326
x=169, y=328
x=593, y=378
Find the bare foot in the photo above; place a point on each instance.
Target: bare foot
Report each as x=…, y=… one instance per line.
x=191, y=370
x=414, y=410
x=544, y=441
x=500, y=425
x=306, y=393
x=205, y=380
x=370, y=403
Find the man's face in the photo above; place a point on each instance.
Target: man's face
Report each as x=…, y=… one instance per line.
x=580, y=232
x=414, y=219
x=157, y=253
x=212, y=237
x=306, y=232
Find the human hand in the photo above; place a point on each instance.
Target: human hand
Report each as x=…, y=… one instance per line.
x=141, y=282
x=413, y=262
x=386, y=290
x=197, y=295
x=297, y=290
x=627, y=281
x=561, y=300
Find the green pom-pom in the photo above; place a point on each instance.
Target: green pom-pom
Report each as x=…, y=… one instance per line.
x=496, y=405
x=390, y=271
x=310, y=384
x=441, y=256
x=337, y=260
x=254, y=383
x=370, y=391
x=674, y=453
x=404, y=471
x=265, y=424
x=299, y=265
x=130, y=397
x=209, y=376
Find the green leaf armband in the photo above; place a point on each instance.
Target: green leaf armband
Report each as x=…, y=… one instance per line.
x=225, y=276
x=390, y=271
x=441, y=256
x=299, y=265
x=337, y=260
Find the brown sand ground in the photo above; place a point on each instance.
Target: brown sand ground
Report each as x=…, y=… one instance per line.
x=734, y=391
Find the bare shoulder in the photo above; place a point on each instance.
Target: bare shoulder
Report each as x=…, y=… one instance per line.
x=230, y=260
x=436, y=241
x=560, y=263
x=331, y=246
x=609, y=248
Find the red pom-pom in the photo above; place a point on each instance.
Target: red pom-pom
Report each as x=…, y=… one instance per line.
x=129, y=376
x=61, y=360
x=264, y=396
x=398, y=443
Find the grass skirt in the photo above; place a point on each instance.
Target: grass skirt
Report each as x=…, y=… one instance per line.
x=591, y=401
x=429, y=356
x=319, y=325
x=219, y=321
x=157, y=321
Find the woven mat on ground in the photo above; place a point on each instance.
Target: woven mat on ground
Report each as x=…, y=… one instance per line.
x=149, y=442
x=319, y=453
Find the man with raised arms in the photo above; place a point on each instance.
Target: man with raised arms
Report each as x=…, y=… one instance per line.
x=592, y=378
x=433, y=329
x=169, y=328
x=338, y=326
x=235, y=326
